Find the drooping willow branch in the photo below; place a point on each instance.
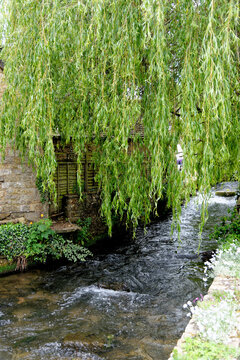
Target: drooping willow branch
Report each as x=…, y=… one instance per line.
x=76, y=68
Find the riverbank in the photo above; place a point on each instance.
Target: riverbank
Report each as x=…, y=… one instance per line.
x=222, y=286
x=214, y=330
x=6, y=266
x=16, y=240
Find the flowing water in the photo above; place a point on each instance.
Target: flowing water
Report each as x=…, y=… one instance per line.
x=123, y=304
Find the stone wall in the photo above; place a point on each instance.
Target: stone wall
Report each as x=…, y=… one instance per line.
x=19, y=196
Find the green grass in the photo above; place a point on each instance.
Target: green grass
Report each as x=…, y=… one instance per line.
x=197, y=349
x=4, y=269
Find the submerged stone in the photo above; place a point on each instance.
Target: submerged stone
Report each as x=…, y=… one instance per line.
x=85, y=342
x=225, y=193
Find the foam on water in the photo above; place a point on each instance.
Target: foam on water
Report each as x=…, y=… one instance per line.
x=100, y=296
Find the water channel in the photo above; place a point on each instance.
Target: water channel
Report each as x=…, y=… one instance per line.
x=123, y=304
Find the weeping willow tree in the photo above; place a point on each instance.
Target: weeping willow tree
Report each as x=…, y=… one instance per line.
x=92, y=70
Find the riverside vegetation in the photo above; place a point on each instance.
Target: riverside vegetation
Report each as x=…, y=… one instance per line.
x=37, y=242
x=216, y=318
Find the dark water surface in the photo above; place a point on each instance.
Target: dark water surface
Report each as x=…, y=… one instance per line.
x=124, y=304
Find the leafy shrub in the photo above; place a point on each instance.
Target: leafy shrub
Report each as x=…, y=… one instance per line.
x=196, y=349
x=13, y=240
x=229, y=230
x=37, y=242
x=227, y=261
x=83, y=235
x=216, y=320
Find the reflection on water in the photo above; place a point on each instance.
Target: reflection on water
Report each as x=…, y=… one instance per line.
x=124, y=304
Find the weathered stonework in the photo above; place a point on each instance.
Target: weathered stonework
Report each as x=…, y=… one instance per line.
x=19, y=196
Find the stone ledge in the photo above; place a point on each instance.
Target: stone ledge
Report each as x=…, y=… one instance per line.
x=64, y=227
x=21, y=220
x=220, y=283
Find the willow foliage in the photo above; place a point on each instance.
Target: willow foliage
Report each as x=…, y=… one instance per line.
x=93, y=70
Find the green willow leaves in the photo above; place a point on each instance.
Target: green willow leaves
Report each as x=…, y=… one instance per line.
x=102, y=72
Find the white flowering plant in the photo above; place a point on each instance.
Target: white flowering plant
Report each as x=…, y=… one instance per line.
x=216, y=315
x=225, y=262
x=217, y=321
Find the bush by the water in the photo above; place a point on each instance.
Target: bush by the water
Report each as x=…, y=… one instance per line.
x=37, y=242
x=229, y=230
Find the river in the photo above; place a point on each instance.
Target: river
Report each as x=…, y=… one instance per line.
x=125, y=303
